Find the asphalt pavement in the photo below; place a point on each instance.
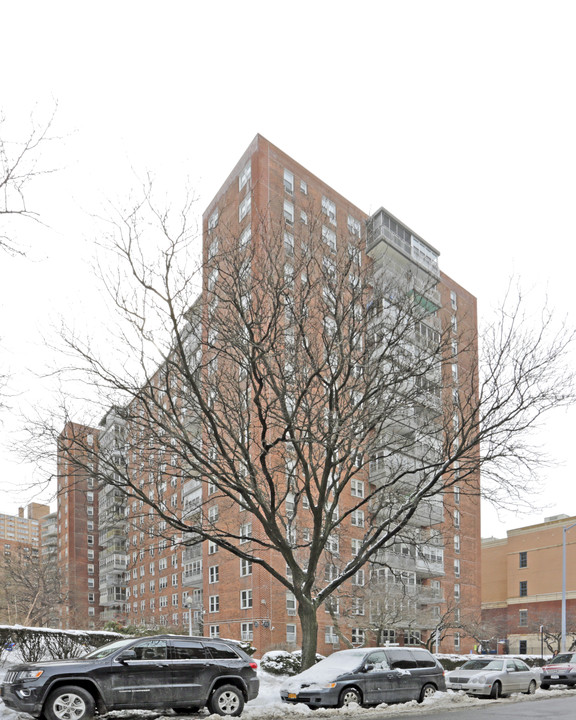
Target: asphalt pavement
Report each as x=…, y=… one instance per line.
x=563, y=708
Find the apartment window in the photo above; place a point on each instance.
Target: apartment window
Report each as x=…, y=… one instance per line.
x=90, y=582
x=456, y=543
x=358, y=636
x=356, y=546
x=412, y=637
x=244, y=207
x=91, y=611
x=213, y=574
x=523, y=588
x=523, y=559
x=457, y=518
x=303, y=187
x=289, y=182
x=245, y=175
x=457, y=641
x=290, y=633
x=244, y=238
x=214, y=631
x=289, y=212
x=162, y=563
x=329, y=209
x=90, y=510
x=212, y=547
x=456, y=614
x=358, y=579
x=456, y=591
x=303, y=217
x=456, y=495
x=245, y=599
x=357, y=488
x=454, y=323
x=354, y=227
x=213, y=249
x=453, y=300
x=245, y=533
x=90, y=539
x=329, y=237
x=247, y=631
x=90, y=569
x=523, y=618
x=357, y=518
x=290, y=604
x=330, y=635
x=245, y=567
x=358, y=606
x=214, y=603
x=456, y=567
x=213, y=220
x=213, y=513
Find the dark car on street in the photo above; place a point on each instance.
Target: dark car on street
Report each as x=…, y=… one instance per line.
x=561, y=670
x=367, y=676
x=160, y=672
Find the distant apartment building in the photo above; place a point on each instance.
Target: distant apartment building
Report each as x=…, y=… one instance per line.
x=148, y=574
x=21, y=538
x=522, y=584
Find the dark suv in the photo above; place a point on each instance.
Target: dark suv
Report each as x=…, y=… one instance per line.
x=164, y=671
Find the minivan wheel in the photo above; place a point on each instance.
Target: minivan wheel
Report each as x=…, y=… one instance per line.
x=427, y=691
x=226, y=700
x=69, y=703
x=348, y=696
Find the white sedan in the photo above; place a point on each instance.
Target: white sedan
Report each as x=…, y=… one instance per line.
x=493, y=677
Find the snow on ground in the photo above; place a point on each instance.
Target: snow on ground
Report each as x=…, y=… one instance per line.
x=268, y=706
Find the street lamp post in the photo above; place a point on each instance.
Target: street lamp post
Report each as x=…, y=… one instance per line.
x=564, y=531
x=188, y=603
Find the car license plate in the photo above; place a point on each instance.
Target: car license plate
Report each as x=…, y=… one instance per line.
x=292, y=696
x=555, y=677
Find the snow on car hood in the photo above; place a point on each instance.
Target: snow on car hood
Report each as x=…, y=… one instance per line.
x=327, y=670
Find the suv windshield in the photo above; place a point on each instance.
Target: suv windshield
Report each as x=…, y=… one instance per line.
x=106, y=650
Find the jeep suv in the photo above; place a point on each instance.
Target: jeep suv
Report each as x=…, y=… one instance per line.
x=160, y=672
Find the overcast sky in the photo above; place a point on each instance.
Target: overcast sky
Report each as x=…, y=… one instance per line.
x=458, y=117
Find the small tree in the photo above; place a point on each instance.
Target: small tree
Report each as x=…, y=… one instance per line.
x=309, y=390
x=30, y=590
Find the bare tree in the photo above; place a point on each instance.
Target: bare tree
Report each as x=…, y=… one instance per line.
x=31, y=588
x=20, y=164
x=310, y=394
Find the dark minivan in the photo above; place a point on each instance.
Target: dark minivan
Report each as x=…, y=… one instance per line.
x=367, y=676
x=160, y=672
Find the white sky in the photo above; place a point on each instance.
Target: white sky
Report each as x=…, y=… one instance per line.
x=457, y=116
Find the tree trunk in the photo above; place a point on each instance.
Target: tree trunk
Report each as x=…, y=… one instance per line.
x=309, y=624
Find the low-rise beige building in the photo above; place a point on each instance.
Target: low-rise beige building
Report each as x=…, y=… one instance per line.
x=522, y=586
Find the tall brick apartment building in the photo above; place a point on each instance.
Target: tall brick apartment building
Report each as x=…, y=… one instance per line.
x=151, y=575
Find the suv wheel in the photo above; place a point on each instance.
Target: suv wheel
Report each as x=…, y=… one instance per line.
x=225, y=700
x=69, y=703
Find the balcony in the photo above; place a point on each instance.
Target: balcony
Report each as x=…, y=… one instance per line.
x=112, y=596
x=385, y=228
x=422, y=562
